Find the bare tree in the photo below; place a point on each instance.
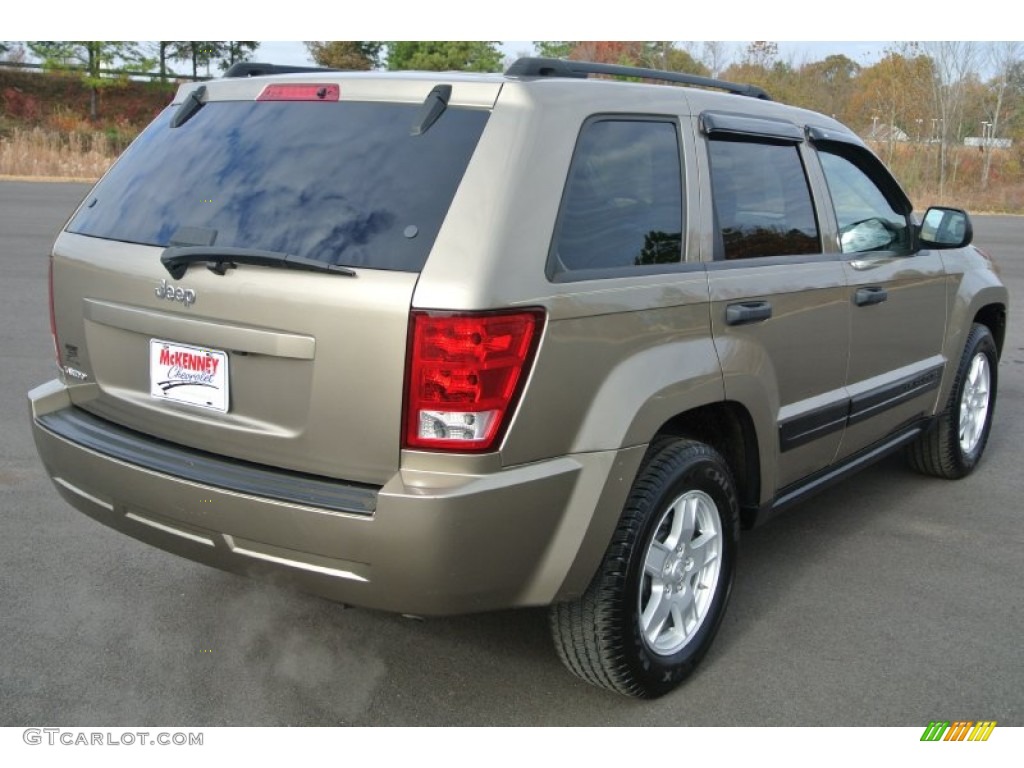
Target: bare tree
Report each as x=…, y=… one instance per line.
x=13, y=51
x=761, y=53
x=953, y=62
x=715, y=56
x=1003, y=57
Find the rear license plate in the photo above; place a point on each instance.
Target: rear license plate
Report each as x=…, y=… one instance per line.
x=192, y=375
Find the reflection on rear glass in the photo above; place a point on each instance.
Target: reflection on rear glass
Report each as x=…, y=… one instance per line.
x=341, y=183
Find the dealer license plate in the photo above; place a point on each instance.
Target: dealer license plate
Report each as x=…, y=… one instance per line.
x=191, y=375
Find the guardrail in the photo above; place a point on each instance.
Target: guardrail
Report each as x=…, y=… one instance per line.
x=167, y=76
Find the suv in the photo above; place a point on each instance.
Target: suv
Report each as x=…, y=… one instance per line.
x=436, y=343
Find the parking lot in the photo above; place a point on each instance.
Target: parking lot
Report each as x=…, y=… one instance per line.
x=891, y=599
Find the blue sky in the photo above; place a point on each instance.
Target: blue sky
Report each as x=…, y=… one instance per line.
x=799, y=30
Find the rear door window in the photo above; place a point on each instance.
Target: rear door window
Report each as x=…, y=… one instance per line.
x=623, y=202
x=344, y=182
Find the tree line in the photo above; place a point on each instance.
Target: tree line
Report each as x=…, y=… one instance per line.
x=102, y=62
x=933, y=94
x=918, y=99
x=116, y=56
x=915, y=92
x=431, y=55
x=915, y=104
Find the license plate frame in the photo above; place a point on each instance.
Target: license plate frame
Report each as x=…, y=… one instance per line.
x=189, y=375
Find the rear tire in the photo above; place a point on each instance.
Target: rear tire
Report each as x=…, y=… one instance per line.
x=659, y=595
x=953, y=448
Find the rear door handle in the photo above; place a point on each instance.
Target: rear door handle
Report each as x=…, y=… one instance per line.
x=747, y=312
x=873, y=294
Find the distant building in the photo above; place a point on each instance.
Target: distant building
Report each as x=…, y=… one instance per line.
x=987, y=141
x=886, y=133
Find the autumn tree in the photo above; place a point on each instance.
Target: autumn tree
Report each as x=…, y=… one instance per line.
x=445, y=55
x=345, y=54
x=668, y=56
x=827, y=85
x=893, y=93
x=97, y=60
x=653, y=54
x=607, y=51
x=747, y=72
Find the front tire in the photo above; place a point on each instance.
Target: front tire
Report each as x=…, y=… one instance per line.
x=953, y=448
x=659, y=595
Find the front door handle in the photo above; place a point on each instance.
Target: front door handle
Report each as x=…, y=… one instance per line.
x=747, y=312
x=873, y=294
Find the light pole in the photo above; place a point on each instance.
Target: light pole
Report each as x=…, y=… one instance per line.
x=987, y=133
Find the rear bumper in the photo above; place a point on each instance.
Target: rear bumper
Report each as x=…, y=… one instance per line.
x=429, y=545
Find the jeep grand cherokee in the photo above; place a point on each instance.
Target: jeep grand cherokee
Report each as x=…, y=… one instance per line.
x=438, y=343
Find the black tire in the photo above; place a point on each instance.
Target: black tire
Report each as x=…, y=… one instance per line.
x=599, y=636
x=942, y=451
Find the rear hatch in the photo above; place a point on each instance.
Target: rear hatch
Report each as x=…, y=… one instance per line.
x=232, y=349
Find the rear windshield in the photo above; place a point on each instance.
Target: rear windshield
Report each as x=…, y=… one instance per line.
x=344, y=182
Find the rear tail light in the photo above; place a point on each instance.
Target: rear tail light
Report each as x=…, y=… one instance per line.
x=464, y=376
x=53, y=320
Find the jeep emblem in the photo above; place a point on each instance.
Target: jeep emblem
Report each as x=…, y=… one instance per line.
x=167, y=291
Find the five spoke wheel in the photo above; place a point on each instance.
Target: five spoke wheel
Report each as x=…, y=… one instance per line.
x=974, y=403
x=681, y=571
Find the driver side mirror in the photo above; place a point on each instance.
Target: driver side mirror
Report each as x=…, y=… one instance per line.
x=945, y=228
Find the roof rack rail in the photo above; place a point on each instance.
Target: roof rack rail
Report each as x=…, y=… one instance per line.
x=540, y=67
x=252, y=69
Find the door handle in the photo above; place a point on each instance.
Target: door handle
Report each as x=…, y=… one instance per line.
x=873, y=294
x=747, y=312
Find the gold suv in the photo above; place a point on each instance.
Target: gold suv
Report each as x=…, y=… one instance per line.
x=437, y=343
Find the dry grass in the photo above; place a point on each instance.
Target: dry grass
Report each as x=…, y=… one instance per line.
x=41, y=153
x=915, y=165
x=76, y=152
x=996, y=199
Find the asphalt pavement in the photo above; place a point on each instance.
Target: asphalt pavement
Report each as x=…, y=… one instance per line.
x=891, y=599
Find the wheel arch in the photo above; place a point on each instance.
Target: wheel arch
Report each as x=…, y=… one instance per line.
x=726, y=426
x=729, y=428
x=993, y=316
x=978, y=300
x=607, y=636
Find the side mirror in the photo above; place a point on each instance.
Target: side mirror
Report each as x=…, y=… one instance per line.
x=945, y=228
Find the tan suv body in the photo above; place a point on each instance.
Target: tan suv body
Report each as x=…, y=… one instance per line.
x=573, y=331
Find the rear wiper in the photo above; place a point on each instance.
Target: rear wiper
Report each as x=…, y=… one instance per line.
x=176, y=260
x=431, y=110
x=192, y=104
